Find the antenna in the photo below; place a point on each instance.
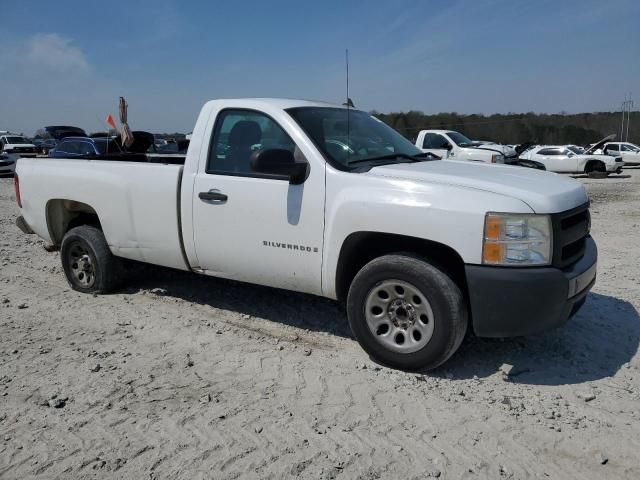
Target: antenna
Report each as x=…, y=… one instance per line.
x=346, y=57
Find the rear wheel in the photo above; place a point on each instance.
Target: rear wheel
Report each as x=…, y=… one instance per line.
x=88, y=264
x=406, y=313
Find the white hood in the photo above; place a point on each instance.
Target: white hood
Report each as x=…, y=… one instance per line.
x=544, y=192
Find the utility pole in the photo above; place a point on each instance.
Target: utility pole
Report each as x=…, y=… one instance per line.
x=625, y=107
x=626, y=138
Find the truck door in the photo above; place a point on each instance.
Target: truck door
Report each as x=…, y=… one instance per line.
x=251, y=227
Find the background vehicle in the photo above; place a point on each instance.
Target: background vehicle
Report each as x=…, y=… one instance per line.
x=81, y=147
x=568, y=159
x=629, y=152
x=58, y=132
x=18, y=145
x=7, y=163
x=451, y=145
x=412, y=247
x=45, y=145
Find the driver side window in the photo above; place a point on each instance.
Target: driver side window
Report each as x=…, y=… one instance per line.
x=435, y=141
x=239, y=133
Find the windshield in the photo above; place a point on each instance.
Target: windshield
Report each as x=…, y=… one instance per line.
x=351, y=138
x=459, y=139
x=575, y=149
x=15, y=140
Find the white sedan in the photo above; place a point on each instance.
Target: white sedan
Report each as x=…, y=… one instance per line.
x=629, y=152
x=570, y=159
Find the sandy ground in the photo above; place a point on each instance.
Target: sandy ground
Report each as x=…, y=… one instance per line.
x=181, y=376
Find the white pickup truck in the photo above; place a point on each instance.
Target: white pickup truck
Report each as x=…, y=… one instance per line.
x=327, y=200
x=450, y=145
x=18, y=145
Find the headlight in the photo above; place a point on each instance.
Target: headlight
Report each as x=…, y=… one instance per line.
x=497, y=158
x=516, y=239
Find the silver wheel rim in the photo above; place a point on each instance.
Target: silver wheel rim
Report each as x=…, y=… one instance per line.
x=399, y=316
x=81, y=265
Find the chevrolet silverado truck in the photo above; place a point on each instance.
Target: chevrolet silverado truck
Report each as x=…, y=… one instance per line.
x=450, y=145
x=418, y=250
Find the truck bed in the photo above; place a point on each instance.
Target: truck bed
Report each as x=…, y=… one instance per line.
x=167, y=159
x=136, y=200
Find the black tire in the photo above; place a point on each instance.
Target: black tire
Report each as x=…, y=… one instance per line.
x=104, y=268
x=595, y=169
x=442, y=293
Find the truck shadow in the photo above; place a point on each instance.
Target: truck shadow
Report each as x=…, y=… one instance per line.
x=294, y=309
x=602, y=337
x=594, y=344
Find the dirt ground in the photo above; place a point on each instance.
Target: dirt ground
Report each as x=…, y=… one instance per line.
x=182, y=376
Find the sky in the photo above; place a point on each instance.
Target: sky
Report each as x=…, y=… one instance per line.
x=67, y=62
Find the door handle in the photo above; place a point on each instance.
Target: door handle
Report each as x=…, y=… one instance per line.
x=213, y=196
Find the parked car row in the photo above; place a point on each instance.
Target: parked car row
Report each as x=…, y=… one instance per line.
x=601, y=158
x=598, y=159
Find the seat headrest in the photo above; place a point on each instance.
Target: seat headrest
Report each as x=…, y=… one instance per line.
x=245, y=133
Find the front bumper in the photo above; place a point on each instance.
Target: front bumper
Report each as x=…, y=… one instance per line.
x=510, y=302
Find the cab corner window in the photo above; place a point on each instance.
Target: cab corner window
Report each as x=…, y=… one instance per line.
x=237, y=135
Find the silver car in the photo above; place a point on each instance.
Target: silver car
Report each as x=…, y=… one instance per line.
x=7, y=163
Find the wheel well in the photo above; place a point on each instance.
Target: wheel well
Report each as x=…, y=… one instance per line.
x=360, y=248
x=63, y=215
x=591, y=165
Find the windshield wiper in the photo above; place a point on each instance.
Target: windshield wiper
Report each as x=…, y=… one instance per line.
x=391, y=156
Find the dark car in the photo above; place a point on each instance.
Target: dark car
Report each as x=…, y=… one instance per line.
x=44, y=146
x=59, y=132
x=81, y=147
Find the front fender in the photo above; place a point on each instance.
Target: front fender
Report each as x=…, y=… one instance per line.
x=446, y=214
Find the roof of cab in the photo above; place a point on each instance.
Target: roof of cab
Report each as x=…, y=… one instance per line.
x=282, y=103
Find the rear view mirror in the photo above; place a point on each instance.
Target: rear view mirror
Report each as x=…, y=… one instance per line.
x=278, y=161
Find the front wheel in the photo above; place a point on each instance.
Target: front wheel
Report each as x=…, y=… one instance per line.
x=406, y=313
x=596, y=169
x=88, y=264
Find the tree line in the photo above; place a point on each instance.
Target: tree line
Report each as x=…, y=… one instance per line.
x=516, y=128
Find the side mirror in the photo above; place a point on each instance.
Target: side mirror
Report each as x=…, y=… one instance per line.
x=278, y=161
x=448, y=146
